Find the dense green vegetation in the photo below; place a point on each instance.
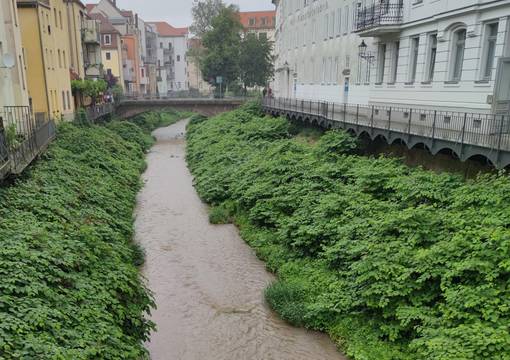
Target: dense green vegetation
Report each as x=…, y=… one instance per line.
x=393, y=262
x=69, y=283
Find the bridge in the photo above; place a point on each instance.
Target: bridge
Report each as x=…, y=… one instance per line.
x=209, y=107
x=465, y=135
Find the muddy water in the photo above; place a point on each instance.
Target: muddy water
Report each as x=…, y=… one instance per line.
x=207, y=282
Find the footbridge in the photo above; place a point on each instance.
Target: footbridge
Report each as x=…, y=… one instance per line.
x=462, y=134
x=131, y=107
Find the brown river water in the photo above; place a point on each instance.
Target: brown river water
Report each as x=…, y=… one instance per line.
x=207, y=282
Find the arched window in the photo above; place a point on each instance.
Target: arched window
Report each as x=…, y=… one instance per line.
x=459, y=46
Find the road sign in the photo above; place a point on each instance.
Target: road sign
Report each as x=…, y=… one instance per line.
x=219, y=79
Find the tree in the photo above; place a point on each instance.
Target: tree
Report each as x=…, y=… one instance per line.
x=222, y=48
x=255, y=61
x=204, y=11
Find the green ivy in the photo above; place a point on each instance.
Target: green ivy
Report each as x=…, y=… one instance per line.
x=393, y=262
x=69, y=282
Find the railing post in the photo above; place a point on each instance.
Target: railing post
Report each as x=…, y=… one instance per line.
x=389, y=124
x=463, y=136
x=357, y=114
x=333, y=111
x=434, y=128
x=345, y=115
x=409, y=125
x=372, y=120
x=498, y=154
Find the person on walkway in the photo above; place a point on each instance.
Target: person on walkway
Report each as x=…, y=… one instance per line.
x=270, y=92
x=264, y=92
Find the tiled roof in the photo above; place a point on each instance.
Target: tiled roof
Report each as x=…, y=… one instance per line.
x=90, y=7
x=254, y=19
x=106, y=26
x=165, y=29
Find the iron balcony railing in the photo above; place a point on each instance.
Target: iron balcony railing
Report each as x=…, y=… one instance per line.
x=384, y=13
x=22, y=138
x=95, y=112
x=484, y=130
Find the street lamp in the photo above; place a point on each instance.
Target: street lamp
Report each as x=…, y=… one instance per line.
x=363, y=53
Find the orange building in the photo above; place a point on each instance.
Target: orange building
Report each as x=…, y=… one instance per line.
x=131, y=63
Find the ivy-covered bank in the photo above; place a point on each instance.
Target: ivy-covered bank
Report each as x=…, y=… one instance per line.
x=69, y=282
x=393, y=262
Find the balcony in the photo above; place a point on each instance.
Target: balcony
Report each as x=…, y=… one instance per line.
x=90, y=32
x=380, y=18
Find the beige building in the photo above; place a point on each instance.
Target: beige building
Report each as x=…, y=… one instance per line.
x=13, y=86
x=261, y=23
x=76, y=19
x=196, y=81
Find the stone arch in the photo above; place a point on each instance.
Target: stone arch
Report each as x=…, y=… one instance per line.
x=420, y=145
x=481, y=159
x=447, y=151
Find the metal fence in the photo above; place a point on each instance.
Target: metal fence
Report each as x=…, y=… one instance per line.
x=383, y=13
x=95, y=112
x=22, y=138
x=480, y=129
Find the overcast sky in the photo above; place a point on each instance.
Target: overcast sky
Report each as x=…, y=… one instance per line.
x=178, y=12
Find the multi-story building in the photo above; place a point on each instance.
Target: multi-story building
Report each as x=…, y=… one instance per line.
x=111, y=50
x=436, y=54
x=260, y=23
x=75, y=19
x=91, y=35
x=172, y=64
x=13, y=85
x=195, y=77
x=45, y=39
x=151, y=59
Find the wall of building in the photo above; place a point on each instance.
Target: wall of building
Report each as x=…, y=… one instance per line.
x=179, y=45
x=75, y=14
x=13, y=86
x=318, y=53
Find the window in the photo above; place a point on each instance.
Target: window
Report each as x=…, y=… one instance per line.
x=413, y=64
x=64, y=100
x=346, y=20
x=64, y=58
x=55, y=17
x=108, y=56
x=161, y=45
x=264, y=21
x=60, y=19
x=69, y=100
x=252, y=21
x=59, y=59
x=459, y=46
x=142, y=71
x=107, y=39
x=381, y=63
x=432, y=57
x=178, y=57
x=394, y=62
x=491, y=36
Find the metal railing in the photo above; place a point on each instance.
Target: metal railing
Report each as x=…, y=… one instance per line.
x=22, y=138
x=95, y=112
x=383, y=13
x=466, y=128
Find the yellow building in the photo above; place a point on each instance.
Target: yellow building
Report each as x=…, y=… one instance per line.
x=76, y=18
x=45, y=39
x=13, y=86
x=111, y=50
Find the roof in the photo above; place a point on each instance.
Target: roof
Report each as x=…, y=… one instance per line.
x=106, y=26
x=165, y=29
x=256, y=19
x=90, y=7
x=126, y=13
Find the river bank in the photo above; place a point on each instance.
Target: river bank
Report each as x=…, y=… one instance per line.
x=393, y=262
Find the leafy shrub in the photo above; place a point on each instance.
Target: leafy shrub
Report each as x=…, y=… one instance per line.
x=394, y=262
x=70, y=287
x=219, y=215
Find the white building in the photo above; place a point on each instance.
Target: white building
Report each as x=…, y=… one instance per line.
x=172, y=64
x=438, y=54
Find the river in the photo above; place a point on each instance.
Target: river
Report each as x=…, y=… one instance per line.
x=208, y=284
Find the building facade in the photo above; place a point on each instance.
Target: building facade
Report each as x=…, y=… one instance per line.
x=45, y=39
x=260, y=23
x=75, y=20
x=13, y=85
x=436, y=54
x=91, y=35
x=196, y=81
x=172, y=64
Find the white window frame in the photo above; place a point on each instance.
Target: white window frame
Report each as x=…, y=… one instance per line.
x=381, y=62
x=487, y=39
x=431, y=57
x=107, y=38
x=454, y=54
x=414, y=53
